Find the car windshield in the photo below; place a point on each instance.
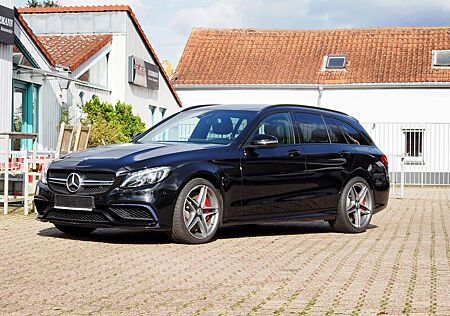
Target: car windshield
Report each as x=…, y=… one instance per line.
x=201, y=126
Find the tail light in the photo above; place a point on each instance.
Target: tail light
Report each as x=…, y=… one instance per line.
x=384, y=160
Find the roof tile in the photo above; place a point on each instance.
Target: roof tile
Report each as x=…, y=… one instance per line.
x=73, y=50
x=248, y=56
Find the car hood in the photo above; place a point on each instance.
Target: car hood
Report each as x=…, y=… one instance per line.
x=130, y=156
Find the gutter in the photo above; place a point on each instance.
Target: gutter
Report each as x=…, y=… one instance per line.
x=393, y=85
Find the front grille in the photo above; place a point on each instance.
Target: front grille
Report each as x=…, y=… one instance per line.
x=76, y=216
x=132, y=212
x=57, y=181
x=88, y=175
x=85, y=190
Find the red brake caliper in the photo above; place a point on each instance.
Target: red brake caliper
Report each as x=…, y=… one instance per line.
x=206, y=205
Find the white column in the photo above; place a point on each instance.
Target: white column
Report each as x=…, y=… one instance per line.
x=5, y=81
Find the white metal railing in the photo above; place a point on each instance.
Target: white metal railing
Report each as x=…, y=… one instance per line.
x=421, y=150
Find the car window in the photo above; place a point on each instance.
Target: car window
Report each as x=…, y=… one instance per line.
x=202, y=125
x=311, y=128
x=221, y=129
x=336, y=136
x=352, y=135
x=278, y=125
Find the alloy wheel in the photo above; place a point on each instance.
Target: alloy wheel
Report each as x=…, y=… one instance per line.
x=359, y=204
x=201, y=211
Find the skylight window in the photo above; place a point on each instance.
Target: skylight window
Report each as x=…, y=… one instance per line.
x=336, y=61
x=441, y=58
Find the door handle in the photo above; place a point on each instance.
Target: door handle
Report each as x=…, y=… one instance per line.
x=294, y=153
x=344, y=153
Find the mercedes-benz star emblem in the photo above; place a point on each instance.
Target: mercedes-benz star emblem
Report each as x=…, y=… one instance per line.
x=73, y=182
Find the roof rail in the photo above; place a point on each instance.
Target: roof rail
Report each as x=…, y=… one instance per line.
x=310, y=107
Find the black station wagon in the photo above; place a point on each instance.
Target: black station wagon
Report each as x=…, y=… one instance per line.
x=215, y=165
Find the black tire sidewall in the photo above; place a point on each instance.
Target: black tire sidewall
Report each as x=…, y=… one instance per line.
x=179, y=232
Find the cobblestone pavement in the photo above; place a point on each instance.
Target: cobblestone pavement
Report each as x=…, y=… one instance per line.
x=399, y=266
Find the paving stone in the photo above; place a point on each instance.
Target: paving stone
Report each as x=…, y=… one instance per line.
x=400, y=265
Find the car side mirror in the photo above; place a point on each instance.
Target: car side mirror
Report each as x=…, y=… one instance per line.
x=136, y=136
x=264, y=141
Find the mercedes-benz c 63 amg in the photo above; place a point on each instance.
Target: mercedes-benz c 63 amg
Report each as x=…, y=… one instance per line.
x=216, y=165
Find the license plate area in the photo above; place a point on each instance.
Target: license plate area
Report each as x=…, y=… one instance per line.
x=74, y=202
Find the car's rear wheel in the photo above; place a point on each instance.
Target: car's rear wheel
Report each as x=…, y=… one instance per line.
x=355, y=207
x=197, y=214
x=74, y=230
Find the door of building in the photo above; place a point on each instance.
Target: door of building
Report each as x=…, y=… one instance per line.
x=24, y=112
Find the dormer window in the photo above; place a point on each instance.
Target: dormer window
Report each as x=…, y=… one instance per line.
x=441, y=58
x=336, y=61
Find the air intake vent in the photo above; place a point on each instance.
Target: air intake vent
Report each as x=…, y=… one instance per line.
x=76, y=216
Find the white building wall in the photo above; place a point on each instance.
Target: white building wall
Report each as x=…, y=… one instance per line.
x=5, y=82
x=118, y=66
x=49, y=115
x=142, y=98
x=367, y=105
x=391, y=105
x=77, y=23
x=191, y=97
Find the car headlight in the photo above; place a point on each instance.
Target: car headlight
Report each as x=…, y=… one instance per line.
x=44, y=173
x=145, y=177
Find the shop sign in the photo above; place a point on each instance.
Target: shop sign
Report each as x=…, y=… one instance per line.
x=142, y=73
x=6, y=25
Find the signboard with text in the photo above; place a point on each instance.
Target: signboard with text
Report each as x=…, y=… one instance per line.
x=6, y=25
x=142, y=73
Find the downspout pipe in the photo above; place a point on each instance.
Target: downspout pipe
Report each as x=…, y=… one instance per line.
x=319, y=97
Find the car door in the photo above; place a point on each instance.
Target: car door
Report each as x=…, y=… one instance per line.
x=329, y=158
x=273, y=178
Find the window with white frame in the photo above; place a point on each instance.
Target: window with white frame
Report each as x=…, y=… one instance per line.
x=152, y=114
x=414, y=144
x=441, y=58
x=162, y=112
x=336, y=61
x=98, y=73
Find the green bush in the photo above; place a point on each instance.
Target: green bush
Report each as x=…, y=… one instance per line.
x=110, y=124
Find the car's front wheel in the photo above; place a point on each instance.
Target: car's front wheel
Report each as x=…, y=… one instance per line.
x=198, y=213
x=74, y=230
x=355, y=207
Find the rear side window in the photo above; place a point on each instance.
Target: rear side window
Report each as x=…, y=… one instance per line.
x=336, y=136
x=312, y=128
x=351, y=134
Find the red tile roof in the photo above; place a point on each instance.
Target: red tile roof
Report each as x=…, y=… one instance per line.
x=73, y=50
x=34, y=38
x=249, y=56
x=108, y=8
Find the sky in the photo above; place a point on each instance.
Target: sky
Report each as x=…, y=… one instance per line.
x=168, y=23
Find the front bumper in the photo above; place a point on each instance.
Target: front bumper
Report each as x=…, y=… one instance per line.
x=148, y=208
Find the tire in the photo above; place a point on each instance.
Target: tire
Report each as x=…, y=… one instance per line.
x=197, y=214
x=355, y=207
x=75, y=230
